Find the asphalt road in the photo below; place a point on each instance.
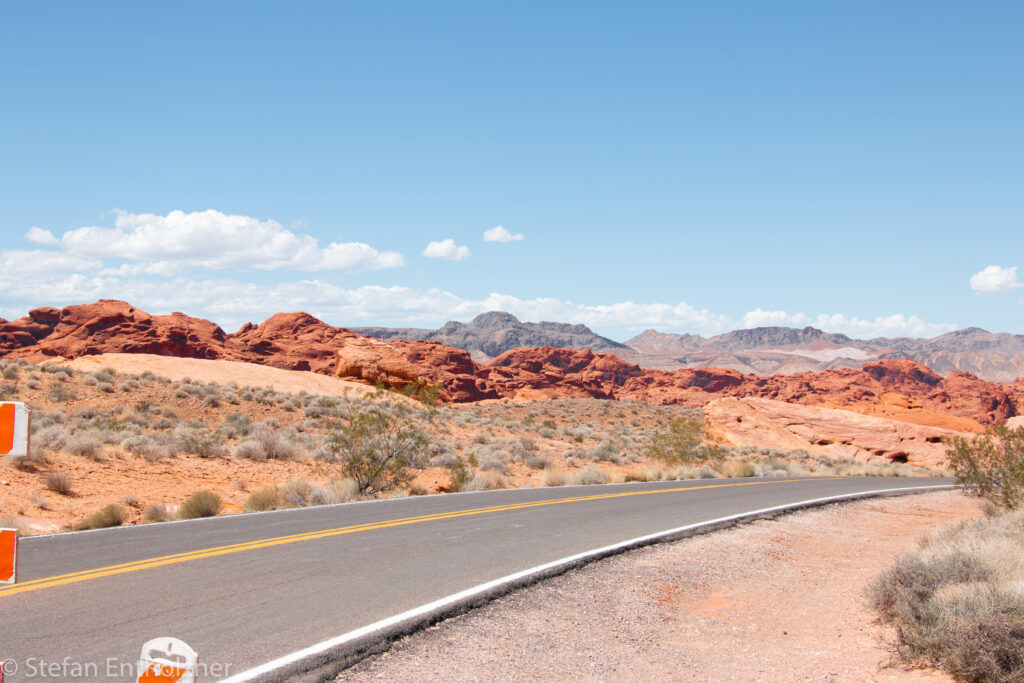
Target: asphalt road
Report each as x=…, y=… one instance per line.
x=243, y=590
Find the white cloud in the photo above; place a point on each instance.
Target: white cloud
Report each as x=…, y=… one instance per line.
x=18, y=265
x=217, y=241
x=500, y=234
x=759, y=318
x=995, y=280
x=446, y=250
x=37, y=235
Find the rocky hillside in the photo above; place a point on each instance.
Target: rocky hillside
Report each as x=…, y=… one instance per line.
x=771, y=350
x=493, y=333
x=525, y=374
x=298, y=341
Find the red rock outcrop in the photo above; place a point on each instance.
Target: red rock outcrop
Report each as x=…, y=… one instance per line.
x=298, y=341
x=109, y=326
x=764, y=423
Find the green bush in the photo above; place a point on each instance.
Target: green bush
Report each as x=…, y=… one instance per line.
x=200, y=504
x=111, y=515
x=378, y=447
x=991, y=466
x=461, y=475
x=682, y=443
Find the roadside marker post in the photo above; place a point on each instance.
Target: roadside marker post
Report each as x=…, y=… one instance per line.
x=167, y=660
x=15, y=425
x=8, y=556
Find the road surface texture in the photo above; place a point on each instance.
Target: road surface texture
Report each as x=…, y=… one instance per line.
x=247, y=589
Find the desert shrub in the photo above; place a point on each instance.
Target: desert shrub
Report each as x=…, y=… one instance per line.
x=237, y=424
x=427, y=394
x=537, y=462
x=460, y=475
x=682, y=443
x=956, y=602
x=149, y=447
x=111, y=515
x=266, y=443
x=342, y=491
x=301, y=493
x=201, y=442
x=156, y=513
x=554, y=478
x=444, y=460
x=991, y=466
x=494, y=465
x=378, y=447
x=200, y=504
x=86, y=444
x=640, y=475
x=591, y=474
x=740, y=469
x=58, y=482
x=485, y=481
x=264, y=499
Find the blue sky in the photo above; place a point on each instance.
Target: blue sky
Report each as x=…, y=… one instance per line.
x=688, y=167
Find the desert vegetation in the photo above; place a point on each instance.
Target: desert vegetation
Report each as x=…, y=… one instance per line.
x=956, y=602
x=96, y=435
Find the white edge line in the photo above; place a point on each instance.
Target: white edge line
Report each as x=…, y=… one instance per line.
x=484, y=588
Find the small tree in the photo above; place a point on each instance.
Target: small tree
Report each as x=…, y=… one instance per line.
x=682, y=443
x=991, y=466
x=379, y=447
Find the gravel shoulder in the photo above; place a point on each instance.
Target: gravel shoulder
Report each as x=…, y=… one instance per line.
x=779, y=600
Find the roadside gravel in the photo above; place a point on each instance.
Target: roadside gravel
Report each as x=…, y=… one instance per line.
x=779, y=600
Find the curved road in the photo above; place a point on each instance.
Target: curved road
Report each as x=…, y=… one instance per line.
x=247, y=589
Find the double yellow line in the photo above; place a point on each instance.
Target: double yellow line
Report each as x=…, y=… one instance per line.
x=164, y=560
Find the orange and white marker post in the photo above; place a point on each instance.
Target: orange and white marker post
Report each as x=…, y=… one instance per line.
x=167, y=660
x=15, y=420
x=15, y=424
x=8, y=556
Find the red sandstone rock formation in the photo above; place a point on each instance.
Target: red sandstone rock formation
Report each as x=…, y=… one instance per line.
x=763, y=423
x=298, y=341
x=108, y=326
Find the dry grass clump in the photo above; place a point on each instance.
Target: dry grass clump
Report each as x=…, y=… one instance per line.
x=111, y=515
x=555, y=478
x=958, y=600
x=58, y=482
x=591, y=474
x=485, y=481
x=734, y=469
x=156, y=513
x=262, y=500
x=200, y=504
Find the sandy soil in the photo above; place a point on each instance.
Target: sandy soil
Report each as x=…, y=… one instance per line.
x=779, y=600
x=222, y=372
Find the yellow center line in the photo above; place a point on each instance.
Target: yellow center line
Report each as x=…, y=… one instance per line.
x=164, y=560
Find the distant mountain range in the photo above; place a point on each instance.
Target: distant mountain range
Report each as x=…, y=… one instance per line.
x=493, y=333
x=761, y=350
